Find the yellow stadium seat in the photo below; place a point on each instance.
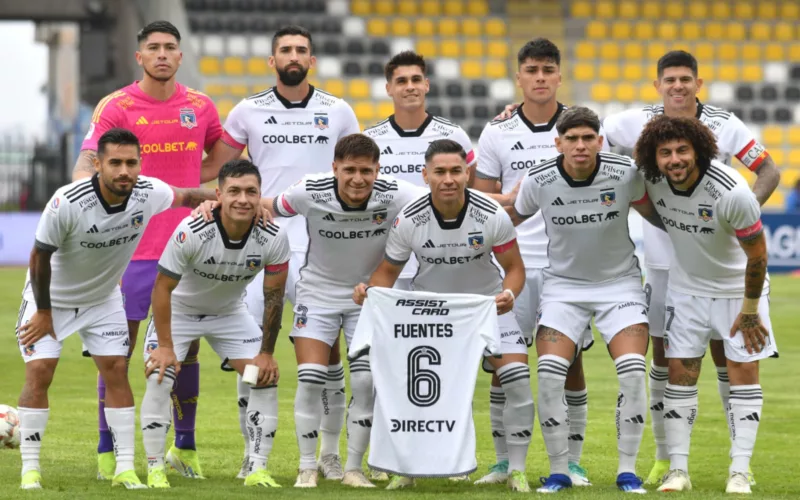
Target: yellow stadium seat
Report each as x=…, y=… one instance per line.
x=794, y=158
x=625, y=92
x=471, y=27
x=257, y=89
x=735, y=31
x=585, y=50
x=789, y=176
x=401, y=26
x=209, y=65
x=609, y=72
x=473, y=48
x=778, y=156
x=257, y=66
x=450, y=48
x=427, y=48
x=632, y=72
x=448, y=27
x=772, y=136
x=774, y=52
x=495, y=28
x=644, y=31
x=360, y=7
x=794, y=136
x=584, y=72
x=633, y=51
x=651, y=10
x=748, y=175
x=596, y=30
x=707, y=72
x=378, y=27
x=715, y=31
x=728, y=73
x=383, y=7
x=581, y=9
x=407, y=8
x=761, y=32
x=752, y=73
x=776, y=200
x=691, y=31
x=702, y=94
x=497, y=50
x=215, y=89
x=751, y=52
x=454, y=8
x=728, y=52
x=604, y=9
x=239, y=90
x=601, y=92
x=767, y=10
x=784, y=32
x=704, y=52
x=471, y=69
x=233, y=66
x=365, y=111
x=648, y=93
x=621, y=30
x=224, y=106
x=628, y=10
x=477, y=8
x=385, y=108
x=358, y=89
x=698, y=10
x=667, y=31
x=609, y=50
x=424, y=27
x=790, y=11
x=335, y=87
x=721, y=9
x=744, y=10
x=794, y=52
x=496, y=69
x=431, y=8
x=674, y=10
x=655, y=50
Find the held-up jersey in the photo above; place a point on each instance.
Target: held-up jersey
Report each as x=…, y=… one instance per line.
x=587, y=221
x=287, y=140
x=703, y=224
x=403, y=151
x=734, y=139
x=346, y=244
x=93, y=242
x=454, y=256
x=213, y=270
x=173, y=135
x=424, y=352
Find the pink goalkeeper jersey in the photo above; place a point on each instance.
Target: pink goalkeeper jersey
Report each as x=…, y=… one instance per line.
x=173, y=135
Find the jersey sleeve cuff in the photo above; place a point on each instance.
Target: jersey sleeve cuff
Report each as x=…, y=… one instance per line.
x=276, y=268
x=481, y=175
x=230, y=141
x=281, y=207
x=395, y=262
x=470, y=157
x=504, y=247
x=641, y=200
x=751, y=232
x=166, y=272
x=44, y=246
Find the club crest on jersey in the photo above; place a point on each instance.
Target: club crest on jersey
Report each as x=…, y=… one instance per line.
x=55, y=203
x=300, y=318
x=188, y=118
x=705, y=214
x=608, y=198
x=30, y=350
x=321, y=121
x=379, y=216
x=475, y=241
x=137, y=220
x=151, y=346
x=396, y=222
x=253, y=262
x=180, y=237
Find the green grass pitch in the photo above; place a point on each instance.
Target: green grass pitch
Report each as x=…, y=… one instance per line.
x=69, y=463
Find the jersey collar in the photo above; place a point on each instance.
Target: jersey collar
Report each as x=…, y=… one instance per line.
x=572, y=182
x=108, y=208
x=699, y=108
x=225, y=240
x=456, y=224
x=288, y=104
x=345, y=206
x=688, y=193
x=541, y=128
x=413, y=133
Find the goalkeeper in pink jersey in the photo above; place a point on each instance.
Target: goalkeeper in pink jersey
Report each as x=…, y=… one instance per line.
x=174, y=124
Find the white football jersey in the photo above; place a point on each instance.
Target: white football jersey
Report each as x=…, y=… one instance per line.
x=587, y=221
x=454, y=256
x=346, y=244
x=93, y=242
x=287, y=140
x=734, y=139
x=424, y=350
x=213, y=270
x=703, y=224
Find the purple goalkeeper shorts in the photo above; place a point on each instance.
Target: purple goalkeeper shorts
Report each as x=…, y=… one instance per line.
x=137, y=287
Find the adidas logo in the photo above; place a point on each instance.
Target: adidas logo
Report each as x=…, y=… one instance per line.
x=753, y=417
x=35, y=437
x=521, y=341
x=517, y=147
x=210, y=260
x=657, y=407
x=329, y=217
x=558, y=202
x=575, y=437
x=551, y=422
x=154, y=425
x=243, y=402
x=635, y=420
x=92, y=230
x=387, y=151
x=142, y=121
x=272, y=121
x=271, y=434
x=429, y=244
x=311, y=435
x=522, y=434
x=363, y=423
x=661, y=203
x=497, y=434
x=672, y=414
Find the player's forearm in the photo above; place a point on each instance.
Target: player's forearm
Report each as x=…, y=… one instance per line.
x=84, y=166
x=514, y=279
x=40, y=277
x=516, y=217
x=192, y=197
x=162, y=314
x=220, y=154
x=273, y=313
x=385, y=275
x=756, y=269
x=767, y=181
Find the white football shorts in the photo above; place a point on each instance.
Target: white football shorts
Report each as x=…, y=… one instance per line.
x=323, y=324
x=526, y=307
x=511, y=339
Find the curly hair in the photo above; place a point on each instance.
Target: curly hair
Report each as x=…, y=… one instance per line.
x=663, y=129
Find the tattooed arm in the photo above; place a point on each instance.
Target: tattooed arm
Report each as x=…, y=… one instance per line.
x=748, y=321
x=84, y=167
x=768, y=178
x=274, y=284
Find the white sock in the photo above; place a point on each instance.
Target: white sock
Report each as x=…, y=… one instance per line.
x=333, y=410
x=553, y=417
x=243, y=398
x=32, y=422
x=746, y=403
x=155, y=417
x=497, y=401
x=519, y=412
x=724, y=388
x=680, y=412
x=577, y=410
x=122, y=425
x=311, y=379
x=658, y=383
x=631, y=409
x=359, y=415
x=262, y=423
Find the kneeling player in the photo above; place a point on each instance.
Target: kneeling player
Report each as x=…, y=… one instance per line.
x=718, y=286
x=198, y=292
x=453, y=231
x=585, y=196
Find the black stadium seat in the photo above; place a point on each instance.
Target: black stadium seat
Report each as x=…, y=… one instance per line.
x=312, y=24
x=195, y=24
x=243, y=5
x=795, y=72
x=315, y=6
x=259, y=25
x=195, y=5
x=332, y=26
x=758, y=115
x=212, y=25
x=434, y=90
x=454, y=89
x=478, y=89
x=331, y=47
x=499, y=108
x=375, y=68
x=783, y=115
x=480, y=112
x=379, y=48
x=235, y=25
x=745, y=93
x=769, y=93
x=352, y=68
x=738, y=112
x=354, y=47
x=792, y=94
x=474, y=131
x=435, y=109
x=457, y=112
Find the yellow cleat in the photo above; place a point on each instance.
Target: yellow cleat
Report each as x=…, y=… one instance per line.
x=129, y=480
x=157, y=478
x=518, y=482
x=106, y=466
x=185, y=462
x=657, y=473
x=31, y=480
x=261, y=478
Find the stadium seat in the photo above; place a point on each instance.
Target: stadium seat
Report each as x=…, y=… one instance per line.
x=723, y=92
x=375, y=68
x=377, y=89
x=224, y=106
x=774, y=52
x=648, y=93
x=385, y=108
x=752, y=73
x=400, y=44
x=495, y=28
x=448, y=27
x=431, y=8
x=581, y=9
x=651, y=10
x=213, y=45
x=768, y=93
x=435, y=109
x=365, y=111
x=377, y=27
x=783, y=115
x=471, y=27
x=698, y=10
x=744, y=10
x=792, y=94
x=728, y=73
x=337, y=8
x=424, y=27
x=585, y=50
x=427, y=48
x=705, y=52
x=401, y=26
x=667, y=30
x=735, y=31
x=354, y=47
x=454, y=90
x=583, y=72
x=457, y=112
x=596, y=30
x=477, y=8
x=478, y=89
x=473, y=48
x=633, y=51
x=633, y=72
x=751, y=52
x=772, y=136
x=674, y=10
x=361, y=7
x=209, y=66
x=779, y=157
x=644, y=30
x=794, y=72
x=383, y=7
x=379, y=48
x=453, y=8
x=767, y=10
x=790, y=11
x=728, y=52
x=758, y=115
x=621, y=30
x=474, y=131
x=628, y=9
x=237, y=45
x=601, y=92
x=714, y=31
x=720, y=9
x=447, y=69
x=215, y=89
x=655, y=50
x=471, y=69
x=691, y=31
x=497, y=50
x=329, y=67
x=794, y=158
x=433, y=90
x=450, y=48
x=609, y=51
x=501, y=90
x=496, y=69
x=239, y=90
x=358, y=89
x=481, y=112
x=407, y=8
x=789, y=176
x=625, y=92
x=257, y=66
x=783, y=32
x=352, y=68
x=335, y=87
x=604, y=9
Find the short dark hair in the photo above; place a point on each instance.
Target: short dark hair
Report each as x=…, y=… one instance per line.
x=238, y=168
x=292, y=29
x=539, y=48
x=118, y=136
x=661, y=129
x=405, y=58
x=158, y=27
x=675, y=59
x=444, y=146
x=579, y=116
x=356, y=146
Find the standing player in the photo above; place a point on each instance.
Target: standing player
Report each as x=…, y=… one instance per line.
x=290, y=131
x=85, y=238
x=678, y=85
x=718, y=286
x=174, y=125
x=509, y=148
x=454, y=232
x=198, y=292
x=585, y=197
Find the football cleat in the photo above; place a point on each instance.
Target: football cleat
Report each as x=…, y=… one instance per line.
x=578, y=475
x=331, y=467
x=676, y=480
x=498, y=473
x=31, y=480
x=306, y=478
x=106, y=466
x=378, y=475
x=657, y=473
x=356, y=479
x=261, y=478
x=630, y=483
x=400, y=482
x=750, y=476
x=738, y=482
x=157, y=478
x=518, y=482
x=129, y=480
x=459, y=479
x=185, y=462
x=554, y=483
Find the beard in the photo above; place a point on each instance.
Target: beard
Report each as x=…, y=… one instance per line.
x=121, y=192
x=293, y=77
x=158, y=78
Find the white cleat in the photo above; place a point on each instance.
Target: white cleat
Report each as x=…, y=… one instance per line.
x=306, y=478
x=460, y=479
x=245, y=470
x=378, y=475
x=738, y=482
x=676, y=480
x=498, y=474
x=356, y=479
x=400, y=482
x=331, y=467
x=578, y=475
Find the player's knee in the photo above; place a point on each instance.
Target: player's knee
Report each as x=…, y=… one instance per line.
x=39, y=376
x=114, y=369
x=362, y=389
x=659, y=357
x=742, y=373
